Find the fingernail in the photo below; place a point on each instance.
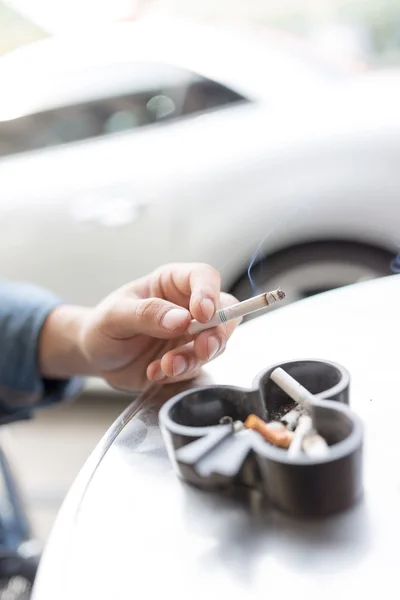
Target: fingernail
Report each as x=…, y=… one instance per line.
x=213, y=345
x=207, y=308
x=159, y=375
x=179, y=365
x=174, y=318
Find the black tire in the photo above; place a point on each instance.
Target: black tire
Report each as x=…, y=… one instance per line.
x=353, y=255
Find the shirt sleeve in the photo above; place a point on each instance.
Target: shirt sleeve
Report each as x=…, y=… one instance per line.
x=23, y=312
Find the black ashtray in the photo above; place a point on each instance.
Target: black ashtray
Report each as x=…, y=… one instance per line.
x=215, y=456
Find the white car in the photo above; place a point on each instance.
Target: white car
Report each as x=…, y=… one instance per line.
x=155, y=142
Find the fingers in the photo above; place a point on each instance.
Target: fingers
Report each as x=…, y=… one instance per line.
x=177, y=365
x=205, y=286
x=186, y=360
x=193, y=285
x=174, y=363
x=129, y=316
x=156, y=308
x=208, y=343
x=166, y=314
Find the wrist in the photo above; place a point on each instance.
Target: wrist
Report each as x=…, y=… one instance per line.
x=61, y=353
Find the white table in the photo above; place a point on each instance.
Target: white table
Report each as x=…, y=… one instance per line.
x=130, y=529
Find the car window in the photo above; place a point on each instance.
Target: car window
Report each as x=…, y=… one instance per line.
x=165, y=94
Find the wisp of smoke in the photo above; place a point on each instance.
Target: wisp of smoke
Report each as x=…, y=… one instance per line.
x=257, y=252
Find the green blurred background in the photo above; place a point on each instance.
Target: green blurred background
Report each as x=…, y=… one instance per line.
x=370, y=27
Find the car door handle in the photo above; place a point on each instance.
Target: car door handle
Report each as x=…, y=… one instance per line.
x=115, y=210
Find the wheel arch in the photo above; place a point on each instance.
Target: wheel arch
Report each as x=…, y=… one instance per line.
x=324, y=246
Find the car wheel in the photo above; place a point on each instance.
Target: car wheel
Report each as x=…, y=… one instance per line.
x=306, y=270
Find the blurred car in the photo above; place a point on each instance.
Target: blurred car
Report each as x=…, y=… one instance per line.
x=155, y=142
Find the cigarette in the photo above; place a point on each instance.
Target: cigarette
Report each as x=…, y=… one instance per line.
x=236, y=425
x=291, y=418
x=274, y=433
x=241, y=309
x=303, y=428
x=315, y=446
x=293, y=388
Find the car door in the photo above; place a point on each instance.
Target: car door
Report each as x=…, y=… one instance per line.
x=85, y=193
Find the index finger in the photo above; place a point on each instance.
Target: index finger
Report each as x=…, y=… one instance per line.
x=195, y=286
x=205, y=286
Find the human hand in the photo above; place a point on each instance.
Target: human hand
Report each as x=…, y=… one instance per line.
x=138, y=333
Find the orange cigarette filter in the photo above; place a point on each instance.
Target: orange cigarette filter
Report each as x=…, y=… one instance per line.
x=278, y=436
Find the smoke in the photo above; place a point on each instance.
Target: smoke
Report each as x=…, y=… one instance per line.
x=258, y=251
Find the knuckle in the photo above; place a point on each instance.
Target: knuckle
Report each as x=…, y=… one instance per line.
x=212, y=270
x=203, y=266
x=162, y=268
x=149, y=310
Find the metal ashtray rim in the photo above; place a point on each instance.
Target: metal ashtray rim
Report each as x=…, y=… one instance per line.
x=175, y=427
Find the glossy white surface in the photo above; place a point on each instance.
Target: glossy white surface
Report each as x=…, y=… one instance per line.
x=138, y=531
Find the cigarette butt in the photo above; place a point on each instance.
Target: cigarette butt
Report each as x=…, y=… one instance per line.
x=226, y=421
x=274, y=433
x=292, y=388
x=276, y=425
x=291, y=418
x=237, y=426
x=315, y=446
x=303, y=428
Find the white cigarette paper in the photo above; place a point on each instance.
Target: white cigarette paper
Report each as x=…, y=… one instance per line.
x=315, y=446
x=303, y=428
x=292, y=387
x=305, y=438
x=241, y=309
x=291, y=418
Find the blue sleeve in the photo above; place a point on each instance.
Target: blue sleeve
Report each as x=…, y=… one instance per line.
x=23, y=312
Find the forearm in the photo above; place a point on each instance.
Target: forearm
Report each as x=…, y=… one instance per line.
x=60, y=349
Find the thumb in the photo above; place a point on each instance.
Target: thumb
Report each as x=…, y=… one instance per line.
x=158, y=318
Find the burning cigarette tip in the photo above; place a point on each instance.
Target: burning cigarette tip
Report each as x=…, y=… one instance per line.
x=281, y=294
x=275, y=296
